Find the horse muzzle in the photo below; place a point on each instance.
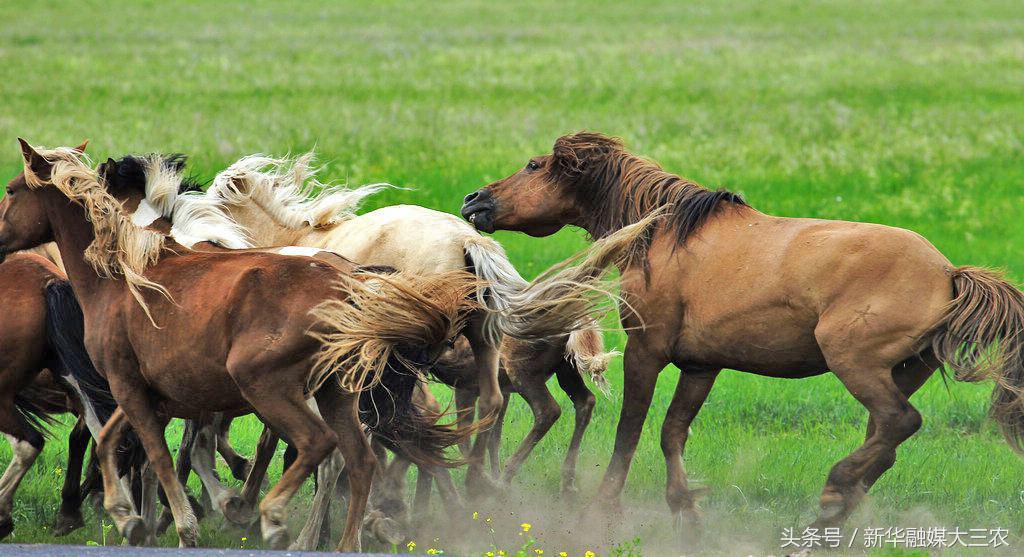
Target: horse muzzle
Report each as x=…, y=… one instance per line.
x=478, y=209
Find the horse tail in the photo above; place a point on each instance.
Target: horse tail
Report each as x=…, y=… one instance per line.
x=585, y=350
x=981, y=336
x=65, y=330
x=572, y=294
x=500, y=283
x=31, y=404
x=403, y=426
x=378, y=336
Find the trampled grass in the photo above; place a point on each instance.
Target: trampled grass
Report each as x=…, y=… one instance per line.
x=907, y=114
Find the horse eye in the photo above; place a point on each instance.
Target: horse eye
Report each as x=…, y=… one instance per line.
x=532, y=165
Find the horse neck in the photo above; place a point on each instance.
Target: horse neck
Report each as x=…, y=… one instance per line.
x=261, y=227
x=72, y=233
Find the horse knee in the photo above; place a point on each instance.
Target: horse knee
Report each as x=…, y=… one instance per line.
x=491, y=404
x=547, y=416
x=909, y=423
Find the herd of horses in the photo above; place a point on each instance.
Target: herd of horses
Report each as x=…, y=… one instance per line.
x=149, y=297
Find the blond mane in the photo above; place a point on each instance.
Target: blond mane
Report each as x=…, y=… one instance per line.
x=195, y=216
x=288, y=190
x=120, y=249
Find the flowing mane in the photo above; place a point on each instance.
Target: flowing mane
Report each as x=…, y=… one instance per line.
x=289, y=191
x=619, y=188
x=169, y=193
x=120, y=248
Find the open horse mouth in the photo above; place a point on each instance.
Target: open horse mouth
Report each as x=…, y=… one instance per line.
x=478, y=209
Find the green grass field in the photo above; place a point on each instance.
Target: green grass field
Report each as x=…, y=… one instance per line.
x=907, y=113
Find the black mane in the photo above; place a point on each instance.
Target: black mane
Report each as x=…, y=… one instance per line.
x=131, y=171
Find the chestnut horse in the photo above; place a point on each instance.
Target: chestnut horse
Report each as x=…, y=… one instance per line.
x=722, y=285
x=277, y=330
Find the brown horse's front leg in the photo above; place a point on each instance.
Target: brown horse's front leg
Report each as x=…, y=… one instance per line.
x=691, y=392
x=116, y=503
x=894, y=420
x=640, y=375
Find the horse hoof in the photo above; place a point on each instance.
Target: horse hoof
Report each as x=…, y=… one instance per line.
x=236, y=511
x=135, y=531
x=277, y=538
x=388, y=531
x=689, y=526
x=240, y=470
x=67, y=524
x=6, y=526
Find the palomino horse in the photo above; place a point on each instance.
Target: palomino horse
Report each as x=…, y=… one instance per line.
x=271, y=200
x=556, y=301
x=721, y=285
x=275, y=333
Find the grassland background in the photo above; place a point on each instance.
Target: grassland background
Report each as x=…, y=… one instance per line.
x=903, y=113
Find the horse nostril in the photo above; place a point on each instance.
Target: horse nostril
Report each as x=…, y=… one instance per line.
x=469, y=198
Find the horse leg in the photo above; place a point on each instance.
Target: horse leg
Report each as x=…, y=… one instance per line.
x=183, y=467
x=485, y=355
x=641, y=369
x=894, y=420
x=545, y=413
x=692, y=390
x=465, y=407
x=909, y=377
x=69, y=517
x=341, y=410
x=133, y=396
x=327, y=478
x=148, y=501
x=203, y=453
x=570, y=380
x=26, y=443
x=238, y=464
x=115, y=500
x=265, y=448
x=494, y=441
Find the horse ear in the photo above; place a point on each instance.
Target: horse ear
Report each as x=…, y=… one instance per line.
x=565, y=157
x=81, y=148
x=34, y=162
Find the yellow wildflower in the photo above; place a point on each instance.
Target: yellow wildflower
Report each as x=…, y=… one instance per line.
x=411, y=546
x=563, y=554
x=526, y=526
x=476, y=515
x=589, y=554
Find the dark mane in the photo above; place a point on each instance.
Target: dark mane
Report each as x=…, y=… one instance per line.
x=618, y=188
x=131, y=171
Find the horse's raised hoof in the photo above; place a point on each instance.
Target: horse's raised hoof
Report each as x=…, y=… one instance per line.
x=236, y=511
x=67, y=523
x=135, y=532
x=6, y=526
x=387, y=530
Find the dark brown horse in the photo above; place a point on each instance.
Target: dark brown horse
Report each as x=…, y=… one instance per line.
x=275, y=332
x=722, y=285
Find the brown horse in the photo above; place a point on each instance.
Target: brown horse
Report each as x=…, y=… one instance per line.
x=275, y=332
x=29, y=394
x=722, y=285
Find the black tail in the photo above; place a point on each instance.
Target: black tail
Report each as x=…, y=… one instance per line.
x=37, y=417
x=388, y=410
x=65, y=328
